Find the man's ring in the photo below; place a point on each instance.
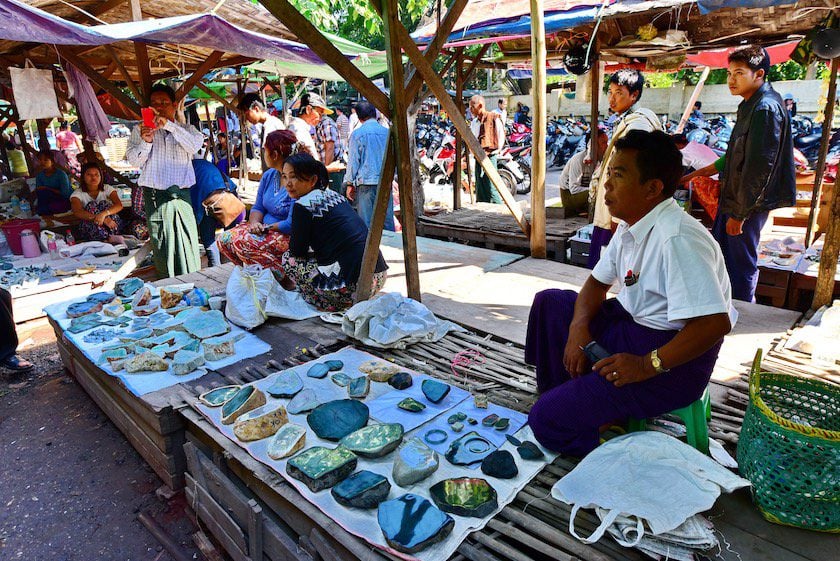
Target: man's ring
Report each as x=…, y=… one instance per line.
x=614, y=375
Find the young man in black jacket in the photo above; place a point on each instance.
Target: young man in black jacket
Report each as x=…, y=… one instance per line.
x=758, y=174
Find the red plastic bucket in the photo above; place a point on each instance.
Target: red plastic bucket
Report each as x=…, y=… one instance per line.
x=13, y=228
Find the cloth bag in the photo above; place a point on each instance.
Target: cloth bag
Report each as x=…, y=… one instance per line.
x=393, y=321
x=253, y=295
x=652, y=478
x=34, y=92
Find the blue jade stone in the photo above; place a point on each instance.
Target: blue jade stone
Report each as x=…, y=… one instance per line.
x=412, y=523
x=336, y=419
x=401, y=381
x=434, y=391
x=334, y=365
x=318, y=371
x=286, y=384
x=363, y=489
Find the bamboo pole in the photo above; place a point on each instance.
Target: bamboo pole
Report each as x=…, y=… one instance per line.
x=285, y=96
x=831, y=247
x=816, y=195
x=694, y=95
x=538, y=163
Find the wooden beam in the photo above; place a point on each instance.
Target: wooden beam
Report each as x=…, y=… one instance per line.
x=459, y=143
x=109, y=70
x=694, y=95
x=538, y=162
x=399, y=136
x=293, y=19
x=141, y=54
x=436, y=85
x=217, y=97
x=129, y=81
x=100, y=81
x=197, y=75
x=595, y=91
x=824, y=290
x=471, y=68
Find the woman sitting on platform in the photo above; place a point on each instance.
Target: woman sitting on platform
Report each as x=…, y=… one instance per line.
x=265, y=237
x=324, y=221
x=97, y=206
x=52, y=187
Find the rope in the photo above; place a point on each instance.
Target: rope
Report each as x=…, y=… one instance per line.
x=466, y=360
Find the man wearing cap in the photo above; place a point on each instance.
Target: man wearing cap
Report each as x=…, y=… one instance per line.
x=330, y=149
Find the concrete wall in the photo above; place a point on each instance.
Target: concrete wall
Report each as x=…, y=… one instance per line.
x=672, y=101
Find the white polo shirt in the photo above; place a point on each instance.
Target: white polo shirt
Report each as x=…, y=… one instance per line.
x=677, y=266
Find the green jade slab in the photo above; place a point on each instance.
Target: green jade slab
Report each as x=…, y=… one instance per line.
x=374, y=441
x=218, y=396
x=411, y=404
x=363, y=489
x=207, y=324
x=286, y=441
x=320, y=468
x=358, y=388
x=336, y=419
x=465, y=496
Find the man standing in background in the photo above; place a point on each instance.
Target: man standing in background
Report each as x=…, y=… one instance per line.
x=343, y=124
x=364, y=165
x=489, y=128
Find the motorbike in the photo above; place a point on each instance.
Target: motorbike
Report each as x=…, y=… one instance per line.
x=514, y=177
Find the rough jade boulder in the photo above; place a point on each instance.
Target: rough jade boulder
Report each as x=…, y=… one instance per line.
x=320, y=468
x=378, y=370
x=185, y=362
x=146, y=362
x=414, y=462
x=500, y=464
x=260, y=423
x=363, y=489
x=286, y=384
x=336, y=419
x=401, y=381
x=434, y=391
x=286, y=441
x=374, y=441
x=305, y=401
x=465, y=496
x=246, y=399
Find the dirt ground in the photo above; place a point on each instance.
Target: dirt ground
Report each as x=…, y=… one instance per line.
x=71, y=486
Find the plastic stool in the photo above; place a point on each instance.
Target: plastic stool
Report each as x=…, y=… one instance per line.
x=694, y=416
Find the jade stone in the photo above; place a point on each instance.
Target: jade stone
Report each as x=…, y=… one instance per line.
x=141, y=297
x=165, y=339
x=320, y=468
x=500, y=464
x=457, y=426
x=101, y=335
x=513, y=440
x=127, y=287
x=83, y=323
x=490, y=420
x=286, y=384
x=79, y=309
x=136, y=336
x=334, y=365
x=358, y=388
x=414, y=462
x=434, y=391
x=207, y=324
x=146, y=310
x=141, y=323
x=374, y=441
x=217, y=348
x=455, y=417
x=185, y=362
x=530, y=451
x=502, y=424
x=318, y=371
x=305, y=401
x=101, y=297
x=469, y=449
x=465, y=496
x=472, y=421
x=340, y=379
x=336, y=419
x=412, y=523
x=480, y=401
x=411, y=404
x=363, y=489
x=378, y=371
x=401, y=381
x=260, y=423
x=246, y=399
x=112, y=354
x=113, y=310
x=146, y=362
x=286, y=441
x=218, y=396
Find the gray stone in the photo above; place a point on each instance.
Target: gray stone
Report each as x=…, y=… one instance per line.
x=286, y=384
x=305, y=401
x=414, y=462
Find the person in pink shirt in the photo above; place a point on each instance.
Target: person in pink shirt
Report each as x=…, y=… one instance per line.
x=70, y=145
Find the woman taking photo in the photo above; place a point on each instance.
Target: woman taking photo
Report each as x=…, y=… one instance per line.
x=324, y=221
x=265, y=236
x=97, y=205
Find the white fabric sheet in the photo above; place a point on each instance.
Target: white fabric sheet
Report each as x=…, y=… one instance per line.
x=363, y=523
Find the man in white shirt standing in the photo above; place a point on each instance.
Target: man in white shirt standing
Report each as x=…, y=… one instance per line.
x=576, y=176
x=659, y=337
x=256, y=114
x=164, y=155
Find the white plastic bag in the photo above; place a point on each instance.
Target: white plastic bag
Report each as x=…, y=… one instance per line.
x=247, y=290
x=34, y=93
x=287, y=304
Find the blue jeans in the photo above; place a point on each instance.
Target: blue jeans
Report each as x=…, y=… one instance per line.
x=366, y=200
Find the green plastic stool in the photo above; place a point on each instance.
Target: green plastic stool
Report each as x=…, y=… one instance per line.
x=694, y=416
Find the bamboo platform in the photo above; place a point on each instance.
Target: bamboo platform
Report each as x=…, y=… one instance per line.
x=492, y=226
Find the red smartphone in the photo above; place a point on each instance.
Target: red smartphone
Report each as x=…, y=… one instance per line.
x=148, y=117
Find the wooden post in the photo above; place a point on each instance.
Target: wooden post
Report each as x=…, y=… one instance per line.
x=212, y=138
x=43, y=141
x=129, y=82
x=399, y=123
x=694, y=95
x=244, y=138
x=595, y=87
x=141, y=53
x=100, y=80
x=198, y=75
x=538, y=163
x=831, y=247
x=285, y=97
x=459, y=144
x=816, y=195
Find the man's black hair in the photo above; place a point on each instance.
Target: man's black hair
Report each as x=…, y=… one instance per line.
x=657, y=157
x=250, y=101
x=365, y=110
x=163, y=88
x=755, y=57
x=630, y=78
x=680, y=138
x=698, y=104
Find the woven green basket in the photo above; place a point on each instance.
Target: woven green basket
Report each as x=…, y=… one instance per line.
x=790, y=449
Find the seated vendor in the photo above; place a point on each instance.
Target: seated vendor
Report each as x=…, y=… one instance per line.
x=265, y=236
x=209, y=180
x=97, y=207
x=52, y=187
x=324, y=221
x=662, y=332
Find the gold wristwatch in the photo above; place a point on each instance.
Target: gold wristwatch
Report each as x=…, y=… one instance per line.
x=657, y=362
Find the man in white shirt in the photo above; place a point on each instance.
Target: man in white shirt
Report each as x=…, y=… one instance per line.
x=164, y=155
x=576, y=176
x=660, y=336
x=502, y=108
x=256, y=114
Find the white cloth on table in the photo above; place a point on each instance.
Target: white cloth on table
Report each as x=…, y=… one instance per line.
x=88, y=249
x=677, y=267
x=167, y=160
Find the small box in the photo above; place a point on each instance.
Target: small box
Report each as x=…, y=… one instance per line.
x=579, y=251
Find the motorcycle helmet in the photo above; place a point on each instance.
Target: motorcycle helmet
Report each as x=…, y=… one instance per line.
x=575, y=60
x=826, y=43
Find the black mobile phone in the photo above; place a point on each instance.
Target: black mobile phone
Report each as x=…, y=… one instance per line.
x=595, y=352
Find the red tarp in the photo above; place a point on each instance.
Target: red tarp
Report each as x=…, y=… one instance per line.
x=718, y=57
